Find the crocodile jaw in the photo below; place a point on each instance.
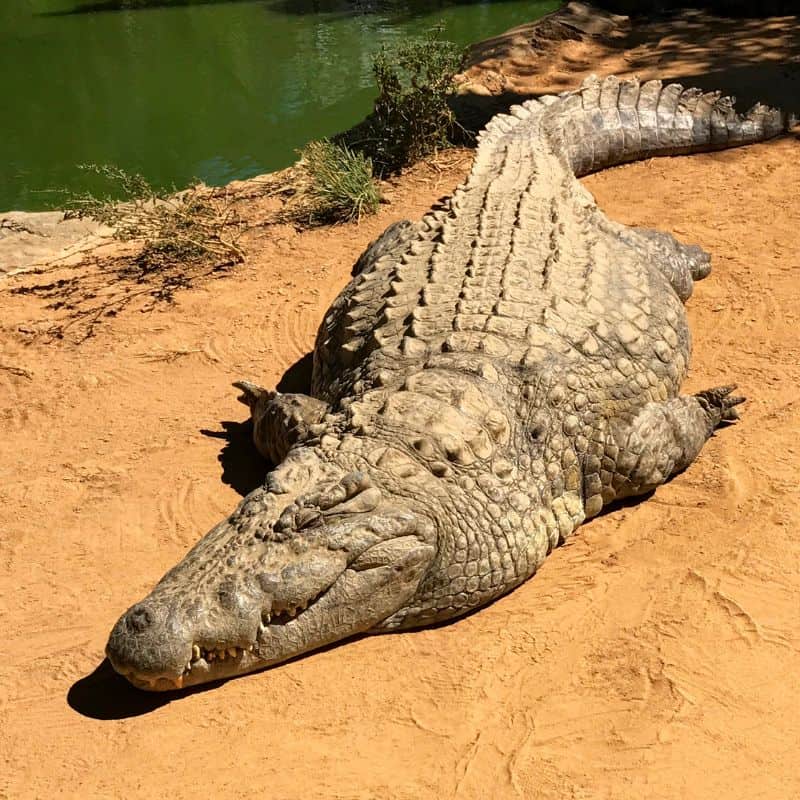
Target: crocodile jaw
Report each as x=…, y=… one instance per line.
x=360, y=598
x=248, y=607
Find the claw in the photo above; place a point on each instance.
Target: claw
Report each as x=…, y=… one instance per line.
x=718, y=392
x=251, y=393
x=719, y=403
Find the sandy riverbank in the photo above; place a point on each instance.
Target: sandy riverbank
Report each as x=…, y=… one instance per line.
x=655, y=656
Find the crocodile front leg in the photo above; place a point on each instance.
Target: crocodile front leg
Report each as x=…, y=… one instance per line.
x=660, y=441
x=280, y=421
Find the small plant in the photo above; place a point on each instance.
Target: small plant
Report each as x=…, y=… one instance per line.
x=192, y=225
x=176, y=238
x=412, y=116
x=341, y=183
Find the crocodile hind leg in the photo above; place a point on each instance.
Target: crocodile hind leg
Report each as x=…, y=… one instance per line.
x=659, y=441
x=681, y=264
x=280, y=421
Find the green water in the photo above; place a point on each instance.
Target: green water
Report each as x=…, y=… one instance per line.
x=214, y=89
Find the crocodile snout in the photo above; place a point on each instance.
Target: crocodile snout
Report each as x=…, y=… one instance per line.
x=267, y=585
x=170, y=637
x=149, y=643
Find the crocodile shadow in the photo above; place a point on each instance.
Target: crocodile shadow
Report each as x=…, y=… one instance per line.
x=106, y=695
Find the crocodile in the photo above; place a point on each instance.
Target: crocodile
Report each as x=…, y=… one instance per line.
x=492, y=376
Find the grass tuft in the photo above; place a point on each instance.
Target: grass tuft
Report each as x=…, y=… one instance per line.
x=342, y=187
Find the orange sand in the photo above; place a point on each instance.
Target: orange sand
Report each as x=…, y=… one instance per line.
x=655, y=656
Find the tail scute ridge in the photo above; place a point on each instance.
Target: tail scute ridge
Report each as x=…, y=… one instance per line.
x=614, y=120
x=611, y=120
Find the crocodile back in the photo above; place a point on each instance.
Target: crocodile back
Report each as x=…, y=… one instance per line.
x=521, y=268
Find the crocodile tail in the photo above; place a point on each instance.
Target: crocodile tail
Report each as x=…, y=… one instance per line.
x=610, y=121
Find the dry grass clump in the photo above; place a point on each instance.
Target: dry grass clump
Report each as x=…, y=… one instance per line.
x=168, y=241
x=190, y=226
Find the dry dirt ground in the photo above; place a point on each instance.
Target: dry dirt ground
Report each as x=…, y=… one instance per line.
x=657, y=655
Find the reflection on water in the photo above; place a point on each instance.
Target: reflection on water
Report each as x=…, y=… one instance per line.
x=181, y=88
x=132, y=5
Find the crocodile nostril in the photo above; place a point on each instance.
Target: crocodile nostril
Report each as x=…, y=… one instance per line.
x=139, y=619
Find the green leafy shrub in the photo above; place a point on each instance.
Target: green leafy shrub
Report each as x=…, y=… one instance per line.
x=412, y=117
x=341, y=183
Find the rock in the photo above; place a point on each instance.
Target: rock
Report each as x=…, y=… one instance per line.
x=31, y=239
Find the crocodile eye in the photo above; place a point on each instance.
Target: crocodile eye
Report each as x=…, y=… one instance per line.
x=537, y=433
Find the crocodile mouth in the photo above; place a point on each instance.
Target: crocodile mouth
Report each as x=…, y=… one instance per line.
x=204, y=665
x=216, y=662
x=321, y=597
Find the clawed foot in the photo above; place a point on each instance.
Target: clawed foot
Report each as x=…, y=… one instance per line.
x=719, y=404
x=281, y=420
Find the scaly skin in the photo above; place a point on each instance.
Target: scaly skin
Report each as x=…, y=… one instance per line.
x=491, y=377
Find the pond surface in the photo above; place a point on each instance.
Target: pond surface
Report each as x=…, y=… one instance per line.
x=214, y=89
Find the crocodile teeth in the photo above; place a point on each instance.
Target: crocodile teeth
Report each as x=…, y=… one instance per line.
x=218, y=654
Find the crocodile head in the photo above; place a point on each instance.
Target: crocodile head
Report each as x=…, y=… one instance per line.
x=305, y=561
